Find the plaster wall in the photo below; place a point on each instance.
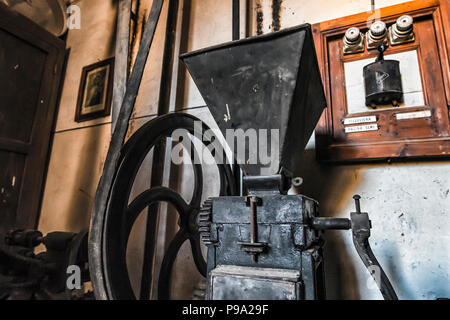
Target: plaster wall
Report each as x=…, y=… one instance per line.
x=79, y=148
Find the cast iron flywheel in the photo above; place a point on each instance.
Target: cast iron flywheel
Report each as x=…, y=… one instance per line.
x=111, y=275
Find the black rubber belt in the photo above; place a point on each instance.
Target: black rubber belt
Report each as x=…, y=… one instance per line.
x=112, y=158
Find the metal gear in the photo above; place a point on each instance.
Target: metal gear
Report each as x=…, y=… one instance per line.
x=204, y=222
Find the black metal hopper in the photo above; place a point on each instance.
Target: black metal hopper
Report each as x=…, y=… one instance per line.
x=265, y=82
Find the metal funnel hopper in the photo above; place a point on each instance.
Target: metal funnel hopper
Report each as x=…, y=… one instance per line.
x=265, y=82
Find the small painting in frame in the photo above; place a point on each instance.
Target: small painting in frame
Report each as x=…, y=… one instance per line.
x=95, y=93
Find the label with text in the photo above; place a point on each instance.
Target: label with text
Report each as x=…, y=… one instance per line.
x=362, y=128
x=356, y=120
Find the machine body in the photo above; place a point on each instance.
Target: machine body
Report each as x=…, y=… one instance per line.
x=269, y=248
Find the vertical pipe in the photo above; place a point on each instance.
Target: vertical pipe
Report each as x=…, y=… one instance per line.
x=236, y=19
x=237, y=36
x=247, y=17
x=184, y=47
x=121, y=59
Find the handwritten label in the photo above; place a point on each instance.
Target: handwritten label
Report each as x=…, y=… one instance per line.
x=363, y=128
x=357, y=120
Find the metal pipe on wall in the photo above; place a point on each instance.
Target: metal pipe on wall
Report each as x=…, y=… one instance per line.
x=236, y=19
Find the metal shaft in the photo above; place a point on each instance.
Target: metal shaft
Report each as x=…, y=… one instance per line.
x=253, y=231
x=331, y=224
x=356, y=197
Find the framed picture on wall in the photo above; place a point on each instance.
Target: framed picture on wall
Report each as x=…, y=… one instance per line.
x=95, y=93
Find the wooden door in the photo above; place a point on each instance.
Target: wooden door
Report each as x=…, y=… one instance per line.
x=31, y=61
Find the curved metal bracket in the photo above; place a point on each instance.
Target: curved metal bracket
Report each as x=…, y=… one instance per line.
x=360, y=225
x=361, y=232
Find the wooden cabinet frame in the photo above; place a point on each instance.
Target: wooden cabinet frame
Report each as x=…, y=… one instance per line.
x=414, y=138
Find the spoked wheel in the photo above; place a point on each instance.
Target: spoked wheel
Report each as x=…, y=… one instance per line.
x=121, y=214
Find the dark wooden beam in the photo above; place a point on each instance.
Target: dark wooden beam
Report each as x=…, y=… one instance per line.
x=121, y=58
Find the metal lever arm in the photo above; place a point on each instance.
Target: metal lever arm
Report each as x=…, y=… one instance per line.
x=361, y=232
x=360, y=225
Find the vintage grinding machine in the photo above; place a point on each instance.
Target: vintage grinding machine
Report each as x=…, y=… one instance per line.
x=267, y=244
x=262, y=243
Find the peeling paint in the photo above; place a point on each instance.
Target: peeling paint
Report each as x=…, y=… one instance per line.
x=276, y=15
x=133, y=35
x=259, y=18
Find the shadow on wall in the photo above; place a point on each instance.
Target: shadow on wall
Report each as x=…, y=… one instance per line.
x=321, y=182
x=419, y=279
x=86, y=178
x=88, y=149
x=409, y=210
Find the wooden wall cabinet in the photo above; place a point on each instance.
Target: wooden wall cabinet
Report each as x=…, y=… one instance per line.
x=417, y=131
